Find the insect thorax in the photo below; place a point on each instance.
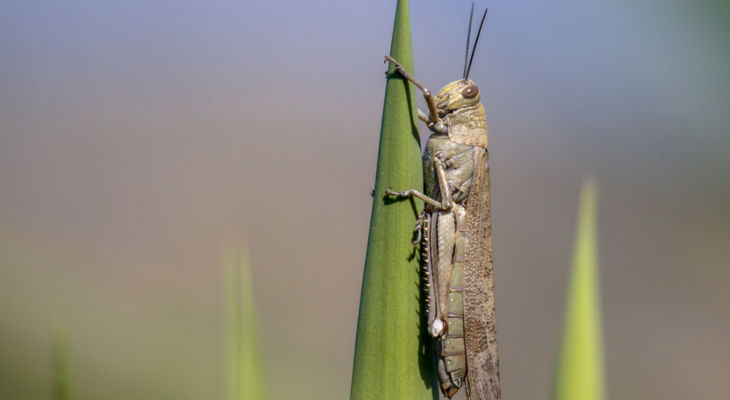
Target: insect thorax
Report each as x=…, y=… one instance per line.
x=468, y=125
x=459, y=168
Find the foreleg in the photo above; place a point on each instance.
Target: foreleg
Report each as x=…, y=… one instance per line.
x=430, y=99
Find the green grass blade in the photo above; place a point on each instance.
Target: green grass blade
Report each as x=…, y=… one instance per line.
x=580, y=374
x=244, y=371
x=62, y=386
x=230, y=282
x=391, y=361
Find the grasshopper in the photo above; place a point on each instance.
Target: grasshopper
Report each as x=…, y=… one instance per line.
x=454, y=231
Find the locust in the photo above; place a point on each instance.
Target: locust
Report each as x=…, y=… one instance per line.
x=455, y=233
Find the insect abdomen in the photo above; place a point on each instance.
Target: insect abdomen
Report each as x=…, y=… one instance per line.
x=452, y=352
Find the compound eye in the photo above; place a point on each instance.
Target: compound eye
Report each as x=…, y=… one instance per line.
x=470, y=91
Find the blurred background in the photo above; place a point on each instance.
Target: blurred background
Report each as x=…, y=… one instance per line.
x=141, y=139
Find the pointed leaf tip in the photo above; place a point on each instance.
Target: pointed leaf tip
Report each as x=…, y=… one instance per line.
x=244, y=369
x=390, y=359
x=580, y=371
x=62, y=388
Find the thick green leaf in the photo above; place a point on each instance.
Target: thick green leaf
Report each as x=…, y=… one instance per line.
x=580, y=373
x=391, y=360
x=244, y=369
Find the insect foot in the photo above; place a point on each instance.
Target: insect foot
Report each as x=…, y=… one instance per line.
x=396, y=194
x=391, y=59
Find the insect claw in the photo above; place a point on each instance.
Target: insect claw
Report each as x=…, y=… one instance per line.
x=391, y=59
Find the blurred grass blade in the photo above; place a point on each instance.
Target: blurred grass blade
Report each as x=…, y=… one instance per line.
x=244, y=370
x=390, y=357
x=62, y=387
x=580, y=374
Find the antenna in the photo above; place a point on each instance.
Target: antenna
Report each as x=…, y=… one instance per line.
x=479, y=32
x=468, y=37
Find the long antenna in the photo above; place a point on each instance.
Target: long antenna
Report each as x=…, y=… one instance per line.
x=475, y=44
x=468, y=37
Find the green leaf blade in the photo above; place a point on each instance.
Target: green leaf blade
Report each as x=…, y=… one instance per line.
x=244, y=369
x=62, y=385
x=580, y=373
x=391, y=361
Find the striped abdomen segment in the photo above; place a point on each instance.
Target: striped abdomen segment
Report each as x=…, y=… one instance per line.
x=452, y=358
